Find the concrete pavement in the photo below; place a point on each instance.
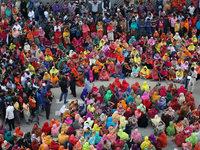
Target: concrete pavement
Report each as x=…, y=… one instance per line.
x=56, y=105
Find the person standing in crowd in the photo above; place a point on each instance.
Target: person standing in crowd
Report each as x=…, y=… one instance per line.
x=41, y=11
x=71, y=7
x=72, y=84
x=65, y=7
x=26, y=112
x=10, y=116
x=64, y=89
x=192, y=80
x=106, y=5
x=39, y=102
x=95, y=5
x=47, y=105
x=56, y=8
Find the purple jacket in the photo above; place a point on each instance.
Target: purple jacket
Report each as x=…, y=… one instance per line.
x=56, y=9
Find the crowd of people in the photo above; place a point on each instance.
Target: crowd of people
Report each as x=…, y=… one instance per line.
x=69, y=45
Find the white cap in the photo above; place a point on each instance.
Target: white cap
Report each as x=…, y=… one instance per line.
x=43, y=84
x=27, y=69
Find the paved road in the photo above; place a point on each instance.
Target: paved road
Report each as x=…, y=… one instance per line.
x=56, y=105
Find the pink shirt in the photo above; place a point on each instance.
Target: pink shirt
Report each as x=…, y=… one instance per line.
x=173, y=21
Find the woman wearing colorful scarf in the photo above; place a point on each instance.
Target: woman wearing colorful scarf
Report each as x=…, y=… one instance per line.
x=144, y=73
x=110, y=30
x=66, y=37
x=163, y=74
x=118, y=71
x=135, y=71
x=179, y=75
x=103, y=75
x=85, y=30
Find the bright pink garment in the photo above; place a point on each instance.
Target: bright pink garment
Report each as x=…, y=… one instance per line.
x=104, y=138
x=145, y=96
x=68, y=121
x=163, y=91
x=136, y=136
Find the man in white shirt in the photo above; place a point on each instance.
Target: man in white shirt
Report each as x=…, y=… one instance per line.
x=192, y=80
x=27, y=74
x=10, y=116
x=191, y=9
x=57, y=27
x=95, y=4
x=31, y=14
x=17, y=27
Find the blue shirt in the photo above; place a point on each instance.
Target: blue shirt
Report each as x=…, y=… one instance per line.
x=39, y=98
x=107, y=20
x=44, y=92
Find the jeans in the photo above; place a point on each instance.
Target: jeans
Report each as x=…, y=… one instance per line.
x=186, y=82
x=65, y=96
x=40, y=108
x=40, y=18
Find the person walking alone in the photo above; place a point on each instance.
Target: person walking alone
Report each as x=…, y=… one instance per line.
x=192, y=80
x=10, y=116
x=64, y=89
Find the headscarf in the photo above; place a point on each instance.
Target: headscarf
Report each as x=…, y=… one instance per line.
x=46, y=76
x=38, y=54
x=147, y=72
x=54, y=70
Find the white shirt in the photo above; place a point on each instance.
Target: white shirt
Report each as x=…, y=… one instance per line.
x=194, y=74
x=31, y=15
x=46, y=14
x=10, y=112
x=191, y=10
x=95, y=6
x=28, y=75
x=23, y=81
x=17, y=27
x=57, y=27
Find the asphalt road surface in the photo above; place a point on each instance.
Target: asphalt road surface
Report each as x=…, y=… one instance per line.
x=56, y=105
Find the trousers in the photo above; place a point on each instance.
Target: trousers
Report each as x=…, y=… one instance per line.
x=191, y=84
x=11, y=124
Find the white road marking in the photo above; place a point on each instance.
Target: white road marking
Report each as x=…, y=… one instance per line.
x=62, y=102
x=57, y=113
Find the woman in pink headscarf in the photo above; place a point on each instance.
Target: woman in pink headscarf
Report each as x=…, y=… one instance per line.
x=3, y=9
x=136, y=136
x=41, y=34
x=151, y=41
x=85, y=30
x=113, y=45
